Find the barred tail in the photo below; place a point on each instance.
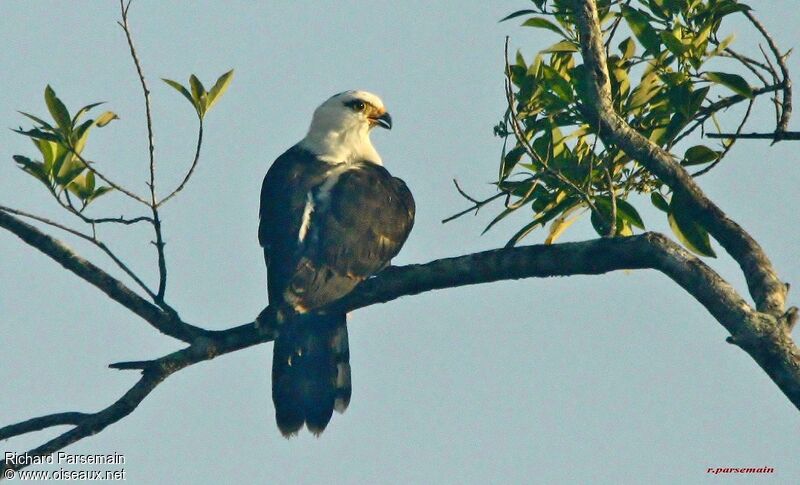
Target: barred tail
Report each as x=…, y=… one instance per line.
x=310, y=372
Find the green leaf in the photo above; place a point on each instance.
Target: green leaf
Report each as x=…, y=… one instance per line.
x=33, y=167
x=80, y=135
x=84, y=110
x=98, y=192
x=179, y=87
x=219, y=89
x=90, y=182
x=41, y=122
x=562, y=223
x=685, y=226
x=105, y=118
x=543, y=218
x=48, y=151
x=628, y=48
x=641, y=28
x=625, y=211
x=629, y=214
x=61, y=154
x=82, y=186
x=673, y=43
x=561, y=46
x=734, y=82
x=598, y=224
x=541, y=23
x=644, y=92
x=39, y=135
x=57, y=109
x=727, y=41
x=518, y=13
x=659, y=201
x=699, y=154
x=726, y=8
x=197, y=88
x=70, y=169
x=499, y=217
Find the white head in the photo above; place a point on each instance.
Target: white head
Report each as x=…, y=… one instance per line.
x=339, y=131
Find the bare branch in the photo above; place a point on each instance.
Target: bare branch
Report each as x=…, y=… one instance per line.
x=767, y=289
x=786, y=110
x=165, y=320
x=156, y=220
x=40, y=423
x=786, y=135
x=477, y=203
x=88, y=424
x=749, y=64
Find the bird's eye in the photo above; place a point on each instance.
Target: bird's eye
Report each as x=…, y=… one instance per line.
x=359, y=105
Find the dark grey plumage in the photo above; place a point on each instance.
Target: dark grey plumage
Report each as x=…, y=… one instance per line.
x=325, y=227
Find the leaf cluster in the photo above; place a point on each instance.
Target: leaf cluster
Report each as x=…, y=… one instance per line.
x=559, y=167
x=201, y=99
x=60, y=166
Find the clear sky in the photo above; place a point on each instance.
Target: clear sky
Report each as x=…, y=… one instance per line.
x=620, y=378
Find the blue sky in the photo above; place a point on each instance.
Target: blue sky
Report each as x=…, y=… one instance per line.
x=620, y=378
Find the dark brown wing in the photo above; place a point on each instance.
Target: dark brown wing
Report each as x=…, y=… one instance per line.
x=357, y=227
x=283, y=197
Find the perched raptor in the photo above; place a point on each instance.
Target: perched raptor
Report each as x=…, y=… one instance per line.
x=331, y=216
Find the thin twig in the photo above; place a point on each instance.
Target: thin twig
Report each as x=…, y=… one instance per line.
x=729, y=145
x=749, y=64
x=705, y=113
x=527, y=147
x=191, y=169
x=90, y=220
x=612, y=224
x=114, y=185
x=156, y=222
x=477, y=203
x=614, y=29
x=92, y=239
x=775, y=80
x=786, y=81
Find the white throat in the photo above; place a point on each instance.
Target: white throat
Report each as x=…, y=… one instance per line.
x=348, y=145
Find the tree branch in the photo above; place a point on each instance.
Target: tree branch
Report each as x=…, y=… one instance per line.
x=165, y=321
x=767, y=290
x=785, y=135
x=86, y=424
x=768, y=343
x=40, y=423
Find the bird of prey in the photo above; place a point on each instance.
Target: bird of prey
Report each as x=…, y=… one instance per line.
x=331, y=216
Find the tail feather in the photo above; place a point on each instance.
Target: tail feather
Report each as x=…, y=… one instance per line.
x=310, y=372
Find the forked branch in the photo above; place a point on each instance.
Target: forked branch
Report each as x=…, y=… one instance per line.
x=649, y=250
